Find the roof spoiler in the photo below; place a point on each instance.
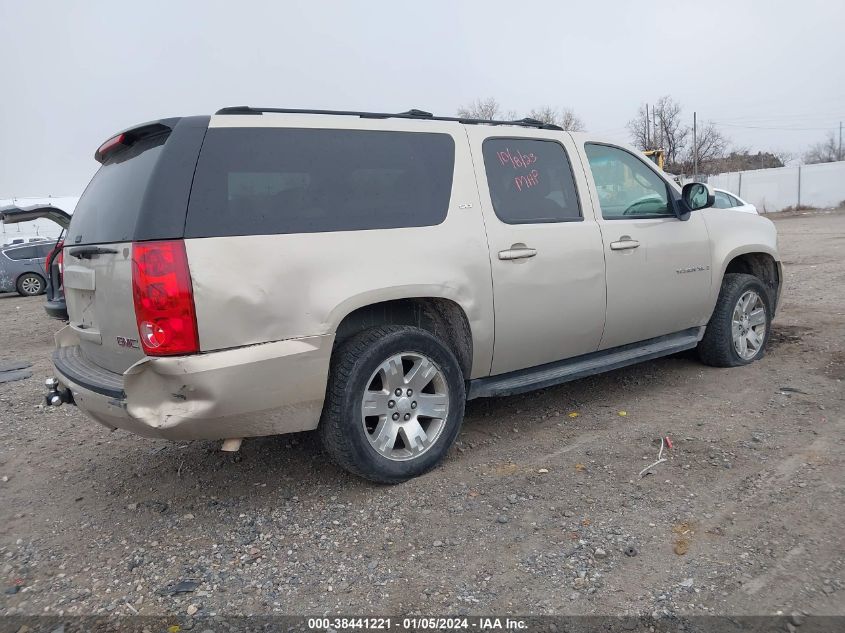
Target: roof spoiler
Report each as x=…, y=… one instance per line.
x=132, y=135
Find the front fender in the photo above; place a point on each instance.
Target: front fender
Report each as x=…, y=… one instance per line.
x=733, y=234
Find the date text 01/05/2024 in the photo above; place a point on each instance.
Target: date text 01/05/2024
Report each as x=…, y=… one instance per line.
x=417, y=623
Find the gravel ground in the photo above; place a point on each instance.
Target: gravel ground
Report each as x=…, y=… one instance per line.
x=538, y=509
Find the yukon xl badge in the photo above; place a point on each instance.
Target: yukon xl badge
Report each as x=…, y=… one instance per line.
x=692, y=269
x=122, y=341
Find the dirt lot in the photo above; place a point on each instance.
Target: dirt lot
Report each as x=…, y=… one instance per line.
x=537, y=510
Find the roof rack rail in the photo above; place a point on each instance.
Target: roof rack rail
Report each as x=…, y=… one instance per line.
x=410, y=114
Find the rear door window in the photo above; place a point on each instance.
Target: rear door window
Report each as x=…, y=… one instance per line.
x=25, y=252
x=44, y=249
x=530, y=181
x=257, y=181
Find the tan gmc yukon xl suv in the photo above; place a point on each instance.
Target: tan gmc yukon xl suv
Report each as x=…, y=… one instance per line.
x=266, y=271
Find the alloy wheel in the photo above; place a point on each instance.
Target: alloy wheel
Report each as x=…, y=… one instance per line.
x=405, y=406
x=748, y=325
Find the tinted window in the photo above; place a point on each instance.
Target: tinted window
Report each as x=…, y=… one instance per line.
x=44, y=249
x=108, y=210
x=25, y=252
x=723, y=200
x=736, y=201
x=627, y=187
x=254, y=181
x=530, y=181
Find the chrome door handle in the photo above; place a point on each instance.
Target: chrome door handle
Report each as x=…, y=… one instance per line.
x=624, y=244
x=517, y=253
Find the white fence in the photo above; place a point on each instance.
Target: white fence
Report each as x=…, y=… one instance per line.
x=821, y=186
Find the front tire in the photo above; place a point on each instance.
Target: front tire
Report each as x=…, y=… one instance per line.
x=30, y=285
x=740, y=325
x=394, y=403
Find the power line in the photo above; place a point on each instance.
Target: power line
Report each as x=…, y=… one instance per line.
x=752, y=118
x=765, y=127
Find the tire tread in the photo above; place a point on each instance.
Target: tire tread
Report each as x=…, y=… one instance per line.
x=715, y=348
x=333, y=432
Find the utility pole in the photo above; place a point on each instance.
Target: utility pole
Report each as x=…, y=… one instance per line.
x=654, y=127
x=839, y=153
x=695, y=146
x=648, y=130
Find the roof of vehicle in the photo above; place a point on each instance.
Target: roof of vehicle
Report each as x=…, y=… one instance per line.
x=12, y=247
x=409, y=114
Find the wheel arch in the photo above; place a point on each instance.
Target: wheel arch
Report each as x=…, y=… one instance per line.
x=443, y=317
x=760, y=263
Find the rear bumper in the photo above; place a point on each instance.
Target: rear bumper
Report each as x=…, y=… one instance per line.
x=264, y=389
x=56, y=309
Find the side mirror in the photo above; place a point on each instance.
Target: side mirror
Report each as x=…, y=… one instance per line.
x=697, y=195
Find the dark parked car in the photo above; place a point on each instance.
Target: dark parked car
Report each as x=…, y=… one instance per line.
x=51, y=272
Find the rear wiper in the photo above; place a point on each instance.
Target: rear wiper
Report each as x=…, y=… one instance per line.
x=87, y=252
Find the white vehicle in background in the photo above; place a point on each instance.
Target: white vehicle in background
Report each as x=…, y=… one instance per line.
x=727, y=200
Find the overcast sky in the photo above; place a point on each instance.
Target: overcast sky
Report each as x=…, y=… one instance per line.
x=75, y=72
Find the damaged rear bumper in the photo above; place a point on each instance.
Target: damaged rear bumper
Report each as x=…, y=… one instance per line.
x=264, y=389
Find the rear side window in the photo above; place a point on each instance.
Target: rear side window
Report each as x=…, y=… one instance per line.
x=257, y=181
x=108, y=210
x=25, y=252
x=530, y=181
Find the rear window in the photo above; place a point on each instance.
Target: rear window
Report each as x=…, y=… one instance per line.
x=255, y=181
x=108, y=210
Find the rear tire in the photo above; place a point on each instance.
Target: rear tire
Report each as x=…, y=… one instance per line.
x=394, y=403
x=31, y=285
x=739, y=328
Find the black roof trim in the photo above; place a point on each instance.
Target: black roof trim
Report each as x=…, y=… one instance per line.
x=410, y=114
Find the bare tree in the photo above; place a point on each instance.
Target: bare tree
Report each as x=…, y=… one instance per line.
x=825, y=152
x=563, y=117
x=712, y=146
x=741, y=159
x=487, y=108
x=640, y=129
x=662, y=128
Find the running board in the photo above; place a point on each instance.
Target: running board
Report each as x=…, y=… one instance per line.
x=582, y=366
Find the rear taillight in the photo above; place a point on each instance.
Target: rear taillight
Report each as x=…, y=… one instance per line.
x=164, y=301
x=54, y=256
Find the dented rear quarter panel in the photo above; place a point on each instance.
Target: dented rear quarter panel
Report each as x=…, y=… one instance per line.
x=262, y=288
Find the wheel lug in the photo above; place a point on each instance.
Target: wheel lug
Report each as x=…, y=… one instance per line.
x=414, y=404
x=407, y=417
x=410, y=393
x=391, y=404
x=398, y=392
x=395, y=416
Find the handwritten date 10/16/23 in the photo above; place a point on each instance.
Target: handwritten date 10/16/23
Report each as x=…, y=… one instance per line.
x=518, y=160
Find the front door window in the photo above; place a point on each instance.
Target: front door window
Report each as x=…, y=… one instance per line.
x=627, y=187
